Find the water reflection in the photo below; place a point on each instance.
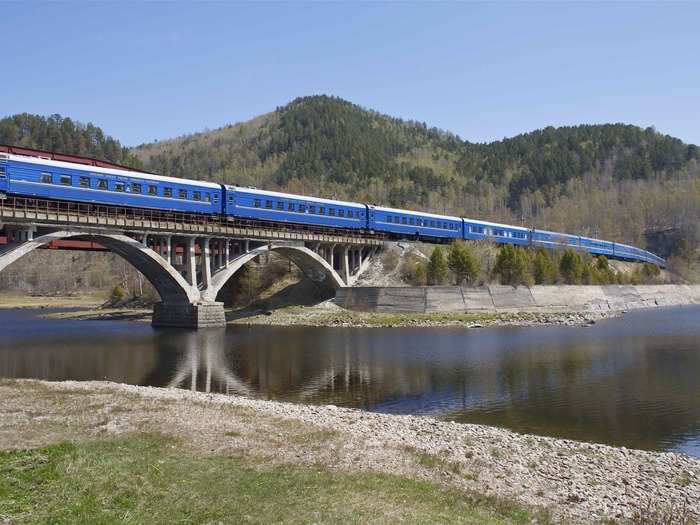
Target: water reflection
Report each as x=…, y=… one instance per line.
x=632, y=381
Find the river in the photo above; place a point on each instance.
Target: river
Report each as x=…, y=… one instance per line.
x=631, y=381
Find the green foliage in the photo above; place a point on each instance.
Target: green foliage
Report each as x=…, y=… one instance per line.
x=118, y=295
x=513, y=265
x=155, y=480
x=62, y=135
x=462, y=262
x=421, y=274
x=571, y=267
x=544, y=269
x=602, y=263
x=651, y=270
x=437, y=267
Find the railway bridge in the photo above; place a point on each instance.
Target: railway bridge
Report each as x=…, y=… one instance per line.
x=187, y=258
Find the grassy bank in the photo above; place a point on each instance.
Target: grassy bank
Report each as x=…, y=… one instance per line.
x=16, y=300
x=151, y=479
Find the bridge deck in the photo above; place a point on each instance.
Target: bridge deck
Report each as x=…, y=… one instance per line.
x=54, y=213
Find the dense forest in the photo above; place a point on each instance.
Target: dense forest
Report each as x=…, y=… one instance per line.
x=614, y=181
x=55, y=133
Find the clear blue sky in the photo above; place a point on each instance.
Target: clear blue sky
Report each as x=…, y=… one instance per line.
x=483, y=71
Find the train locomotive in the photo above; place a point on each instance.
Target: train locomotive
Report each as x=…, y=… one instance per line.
x=51, y=176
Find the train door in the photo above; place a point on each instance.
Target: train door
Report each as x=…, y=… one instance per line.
x=4, y=176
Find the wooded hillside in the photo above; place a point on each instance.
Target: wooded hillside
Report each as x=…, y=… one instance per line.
x=613, y=180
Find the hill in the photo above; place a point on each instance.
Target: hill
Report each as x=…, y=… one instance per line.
x=55, y=133
x=613, y=180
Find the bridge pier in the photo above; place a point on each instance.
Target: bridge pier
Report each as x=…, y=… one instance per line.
x=188, y=315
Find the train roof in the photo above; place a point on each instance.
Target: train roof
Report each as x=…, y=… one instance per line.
x=497, y=224
x=111, y=171
x=419, y=213
x=282, y=195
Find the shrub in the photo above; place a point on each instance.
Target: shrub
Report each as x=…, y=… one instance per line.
x=512, y=265
x=463, y=262
x=571, y=267
x=544, y=270
x=118, y=295
x=437, y=267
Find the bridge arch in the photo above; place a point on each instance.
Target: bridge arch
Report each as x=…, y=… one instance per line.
x=169, y=284
x=311, y=264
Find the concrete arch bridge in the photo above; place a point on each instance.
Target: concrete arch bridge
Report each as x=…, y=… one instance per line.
x=189, y=265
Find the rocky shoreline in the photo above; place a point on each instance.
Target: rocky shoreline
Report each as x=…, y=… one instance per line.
x=573, y=481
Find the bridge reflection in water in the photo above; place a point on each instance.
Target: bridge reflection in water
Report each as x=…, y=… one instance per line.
x=631, y=381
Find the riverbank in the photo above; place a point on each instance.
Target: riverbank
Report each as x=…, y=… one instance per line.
x=85, y=301
x=477, y=474
x=328, y=314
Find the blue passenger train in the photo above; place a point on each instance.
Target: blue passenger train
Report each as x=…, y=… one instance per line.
x=37, y=174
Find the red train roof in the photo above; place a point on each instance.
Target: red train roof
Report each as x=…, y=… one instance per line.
x=76, y=159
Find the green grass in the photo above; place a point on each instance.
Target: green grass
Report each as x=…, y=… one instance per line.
x=155, y=480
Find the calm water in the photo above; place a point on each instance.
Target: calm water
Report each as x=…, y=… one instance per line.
x=633, y=381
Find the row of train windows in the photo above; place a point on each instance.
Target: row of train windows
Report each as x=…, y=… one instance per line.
x=496, y=232
x=122, y=187
x=421, y=222
x=2, y=172
x=303, y=208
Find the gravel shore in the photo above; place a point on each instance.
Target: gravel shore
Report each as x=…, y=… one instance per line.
x=576, y=482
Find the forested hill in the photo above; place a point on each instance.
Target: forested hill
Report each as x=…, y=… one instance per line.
x=611, y=180
x=614, y=181
x=55, y=133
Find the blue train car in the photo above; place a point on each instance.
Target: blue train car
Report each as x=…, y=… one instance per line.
x=492, y=231
x=414, y=223
x=285, y=207
x=597, y=246
x=554, y=240
x=50, y=179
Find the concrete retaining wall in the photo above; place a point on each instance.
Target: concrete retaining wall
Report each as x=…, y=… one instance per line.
x=426, y=299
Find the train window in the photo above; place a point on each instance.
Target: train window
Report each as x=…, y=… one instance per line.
x=216, y=198
x=341, y=213
x=46, y=178
x=350, y=214
x=331, y=212
x=66, y=180
x=268, y=205
x=168, y=193
x=2, y=172
x=136, y=187
x=207, y=197
x=102, y=184
x=312, y=209
x=290, y=206
x=182, y=194
x=197, y=195
x=411, y=221
x=322, y=211
x=152, y=190
x=280, y=205
x=302, y=208
x=118, y=186
x=403, y=220
x=256, y=203
x=230, y=199
x=84, y=182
